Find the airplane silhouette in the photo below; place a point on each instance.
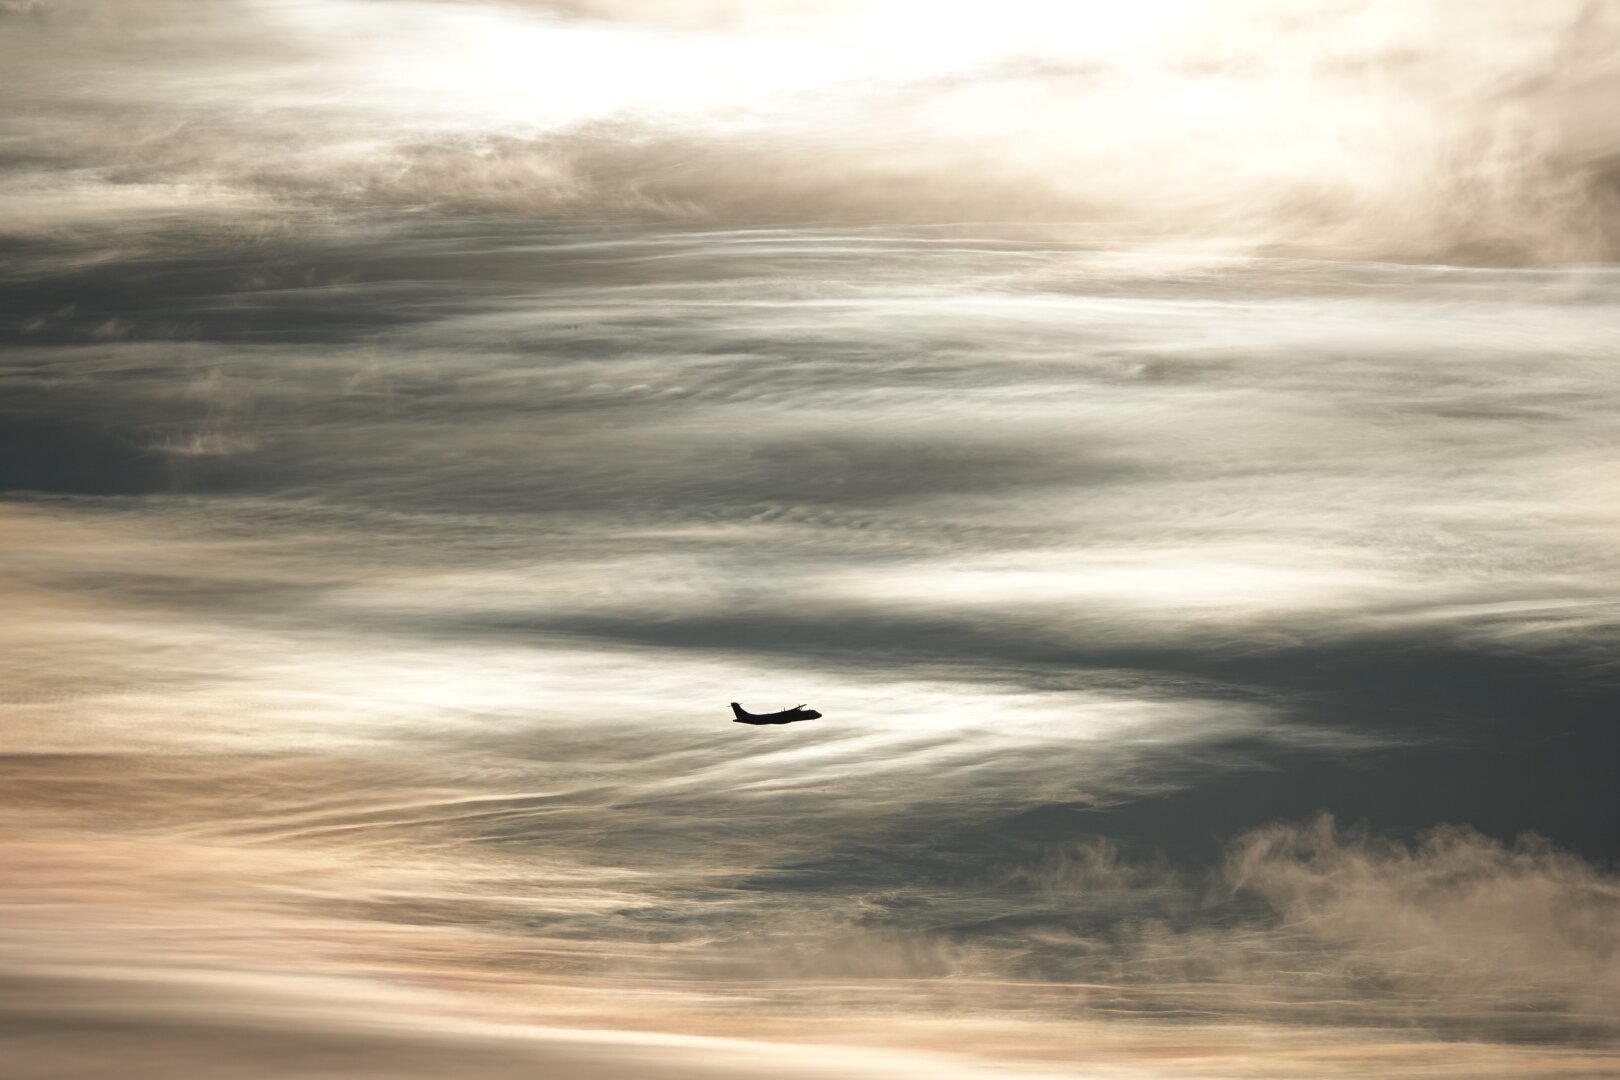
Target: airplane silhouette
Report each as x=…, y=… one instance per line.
x=786, y=716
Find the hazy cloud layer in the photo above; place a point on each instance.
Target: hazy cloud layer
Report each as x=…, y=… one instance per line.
x=1472, y=131
x=419, y=419
x=440, y=911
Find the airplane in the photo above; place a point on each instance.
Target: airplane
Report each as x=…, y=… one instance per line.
x=786, y=716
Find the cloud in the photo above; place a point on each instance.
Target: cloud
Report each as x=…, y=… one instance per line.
x=252, y=913
x=1461, y=931
x=284, y=1028
x=1454, y=934
x=1233, y=125
x=405, y=457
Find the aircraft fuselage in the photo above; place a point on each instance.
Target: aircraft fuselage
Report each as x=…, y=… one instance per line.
x=741, y=715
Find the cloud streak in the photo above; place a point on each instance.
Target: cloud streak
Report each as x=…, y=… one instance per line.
x=429, y=922
x=1137, y=432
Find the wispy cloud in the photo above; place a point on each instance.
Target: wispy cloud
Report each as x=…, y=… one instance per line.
x=418, y=420
x=1237, y=124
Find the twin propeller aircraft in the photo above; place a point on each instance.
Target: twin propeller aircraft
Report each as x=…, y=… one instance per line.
x=786, y=716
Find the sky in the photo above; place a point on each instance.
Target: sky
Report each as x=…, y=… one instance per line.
x=1172, y=446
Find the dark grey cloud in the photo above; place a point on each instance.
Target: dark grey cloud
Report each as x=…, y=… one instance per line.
x=885, y=475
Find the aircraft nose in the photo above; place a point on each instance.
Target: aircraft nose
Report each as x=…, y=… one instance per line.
x=812, y=714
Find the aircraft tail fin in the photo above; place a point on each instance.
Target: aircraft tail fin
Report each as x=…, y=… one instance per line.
x=738, y=711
